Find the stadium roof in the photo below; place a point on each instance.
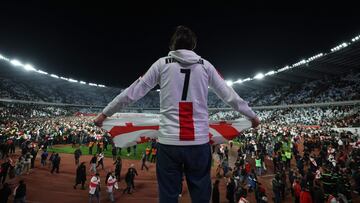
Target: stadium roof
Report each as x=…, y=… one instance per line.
x=339, y=61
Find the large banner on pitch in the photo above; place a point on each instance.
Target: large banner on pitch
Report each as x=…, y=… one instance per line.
x=128, y=129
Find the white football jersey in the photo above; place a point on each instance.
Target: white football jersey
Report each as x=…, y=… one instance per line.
x=184, y=78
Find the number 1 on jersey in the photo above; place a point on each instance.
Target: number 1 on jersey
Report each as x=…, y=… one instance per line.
x=186, y=83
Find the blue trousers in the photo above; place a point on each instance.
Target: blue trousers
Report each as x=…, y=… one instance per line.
x=193, y=161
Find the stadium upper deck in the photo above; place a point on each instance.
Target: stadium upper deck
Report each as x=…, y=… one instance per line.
x=325, y=77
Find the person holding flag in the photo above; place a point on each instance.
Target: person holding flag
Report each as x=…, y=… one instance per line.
x=184, y=78
x=94, y=188
x=111, y=183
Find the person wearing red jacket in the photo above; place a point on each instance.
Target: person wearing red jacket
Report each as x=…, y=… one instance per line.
x=305, y=196
x=247, y=167
x=297, y=190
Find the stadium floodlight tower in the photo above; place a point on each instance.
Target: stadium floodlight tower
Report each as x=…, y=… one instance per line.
x=259, y=76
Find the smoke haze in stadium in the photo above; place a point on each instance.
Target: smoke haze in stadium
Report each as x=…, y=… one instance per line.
x=114, y=45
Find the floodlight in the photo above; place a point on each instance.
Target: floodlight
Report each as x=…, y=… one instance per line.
x=72, y=80
x=54, y=76
x=270, y=73
x=259, y=76
x=158, y=90
x=42, y=72
x=29, y=67
x=63, y=78
x=92, y=84
x=82, y=82
x=3, y=58
x=101, y=85
x=229, y=83
x=238, y=81
x=16, y=62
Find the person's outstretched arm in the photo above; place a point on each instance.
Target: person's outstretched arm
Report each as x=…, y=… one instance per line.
x=131, y=94
x=229, y=96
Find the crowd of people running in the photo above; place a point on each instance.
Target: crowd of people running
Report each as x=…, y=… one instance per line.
x=309, y=160
x=307, y=165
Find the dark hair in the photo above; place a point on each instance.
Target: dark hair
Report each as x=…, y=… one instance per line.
x=107, y=177
x=183, y=38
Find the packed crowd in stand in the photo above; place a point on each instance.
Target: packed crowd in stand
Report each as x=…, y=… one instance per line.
x=30, y=86
x=339, y=116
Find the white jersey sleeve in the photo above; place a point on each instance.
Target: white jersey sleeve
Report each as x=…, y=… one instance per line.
x=135, y=91
x=184, y=78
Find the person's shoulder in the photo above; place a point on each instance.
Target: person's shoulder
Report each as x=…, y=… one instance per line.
x=205, y=62
x=162, y=60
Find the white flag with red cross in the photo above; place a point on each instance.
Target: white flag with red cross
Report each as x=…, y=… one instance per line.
x=128, y=129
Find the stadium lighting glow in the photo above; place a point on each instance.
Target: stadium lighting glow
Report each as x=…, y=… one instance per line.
x=353, y=39
x=63, y=78
x=283, y=69
x=229, y=83
x=341, y=46
x=72, y=80
x=315, y=57
x=158, y=90
x=42, y=72
x=3, y=58
x=238, y=81
x=29, y=67
x=270, y=73
x=54, y=76
x=16, y=62
x=259, y=76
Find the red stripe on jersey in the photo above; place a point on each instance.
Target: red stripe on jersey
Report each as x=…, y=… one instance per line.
x=92, y=184
x=186, y=121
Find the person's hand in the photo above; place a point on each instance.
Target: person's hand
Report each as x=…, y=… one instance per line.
x=100, y=119
x=255, y=122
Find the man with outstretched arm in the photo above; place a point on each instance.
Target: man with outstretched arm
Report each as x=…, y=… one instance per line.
x=184, y=78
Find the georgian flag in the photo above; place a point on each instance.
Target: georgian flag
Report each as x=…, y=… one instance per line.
x=128, y=129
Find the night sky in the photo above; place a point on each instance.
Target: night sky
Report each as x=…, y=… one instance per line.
x=114, y=44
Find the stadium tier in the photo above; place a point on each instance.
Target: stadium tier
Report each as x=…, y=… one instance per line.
x=30, y=86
